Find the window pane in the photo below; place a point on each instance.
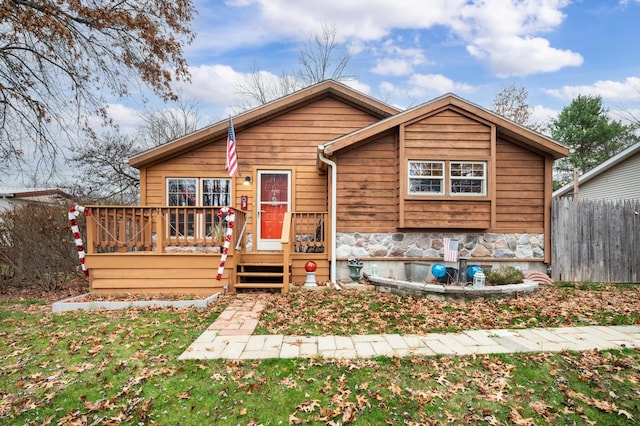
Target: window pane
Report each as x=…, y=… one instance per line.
x=216, y=192
x=467, y=169
x=468, y=178
x=425, y=168
x=426, y=177
x=466, y=186
x=425, y=185
x=181, y=192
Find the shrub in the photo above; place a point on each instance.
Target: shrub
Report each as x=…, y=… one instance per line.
x=505, y=275
x=37, y=247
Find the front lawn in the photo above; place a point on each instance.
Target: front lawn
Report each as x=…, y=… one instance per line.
x=121, y=367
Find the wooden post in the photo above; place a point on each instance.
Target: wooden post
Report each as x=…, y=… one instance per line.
x=159, y=222
x=285, y=241
x=575, y=183
x=91, y=234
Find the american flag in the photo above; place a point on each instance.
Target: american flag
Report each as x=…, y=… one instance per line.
x=450, y=249
x=232, y=158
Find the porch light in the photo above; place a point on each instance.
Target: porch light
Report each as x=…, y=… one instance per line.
x=247, y=181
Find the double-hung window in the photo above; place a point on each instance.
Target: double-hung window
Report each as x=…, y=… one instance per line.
x=468, y=177
x=426, y=177
x=194, y=192
x=452, y=178
x=215, y=192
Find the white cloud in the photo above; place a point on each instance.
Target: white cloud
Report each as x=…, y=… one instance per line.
x=516, y=56
x=627, y=90
x=422, y=85
x=126, y=118
x=216, y=84
x=397, y=60
x=543, y=115
x=358, y=85
x=391, y=66
x=498, y=32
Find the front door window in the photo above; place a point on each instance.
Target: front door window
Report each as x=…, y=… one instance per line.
x=274, y=188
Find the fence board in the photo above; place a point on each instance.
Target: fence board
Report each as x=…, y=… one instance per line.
x=596, y=240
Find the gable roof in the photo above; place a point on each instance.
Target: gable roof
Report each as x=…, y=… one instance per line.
x=507, y=127
x=261, y=113
x=598, y=170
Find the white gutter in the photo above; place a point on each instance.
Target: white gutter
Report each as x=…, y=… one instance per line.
x=334, y=181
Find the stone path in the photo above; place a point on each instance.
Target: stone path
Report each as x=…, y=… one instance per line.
x=230, y=337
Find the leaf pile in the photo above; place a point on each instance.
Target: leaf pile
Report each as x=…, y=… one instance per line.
x=121, y=367
x=358, y=312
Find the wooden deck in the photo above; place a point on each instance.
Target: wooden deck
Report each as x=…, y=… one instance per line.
x=154, y=250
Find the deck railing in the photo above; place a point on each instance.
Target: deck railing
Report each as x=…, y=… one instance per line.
x=308, y=232
x=138, y=229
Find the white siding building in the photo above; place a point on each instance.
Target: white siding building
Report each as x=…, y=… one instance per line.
x=618, y=178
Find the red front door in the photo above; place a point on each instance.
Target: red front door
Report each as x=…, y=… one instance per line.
x=274, y=193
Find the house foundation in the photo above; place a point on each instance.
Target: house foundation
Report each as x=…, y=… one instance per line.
x=388, y=253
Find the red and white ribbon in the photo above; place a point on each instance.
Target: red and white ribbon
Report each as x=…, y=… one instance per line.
x=230, y=218
x=73, y=213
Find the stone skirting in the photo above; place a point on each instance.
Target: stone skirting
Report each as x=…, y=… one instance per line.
x=399, y=245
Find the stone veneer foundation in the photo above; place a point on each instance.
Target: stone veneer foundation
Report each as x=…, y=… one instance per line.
x=392, y=249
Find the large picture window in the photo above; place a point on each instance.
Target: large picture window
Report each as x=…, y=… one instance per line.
x=206, y=192
x=447, y=178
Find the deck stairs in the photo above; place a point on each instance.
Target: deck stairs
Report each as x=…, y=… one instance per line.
x=261, y=271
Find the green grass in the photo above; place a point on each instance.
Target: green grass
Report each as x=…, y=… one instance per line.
x=111, y=367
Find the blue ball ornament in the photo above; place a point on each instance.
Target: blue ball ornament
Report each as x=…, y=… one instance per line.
x=471, y=271
x=438, y=270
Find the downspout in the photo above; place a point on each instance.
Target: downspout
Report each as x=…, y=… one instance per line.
x=334, y=180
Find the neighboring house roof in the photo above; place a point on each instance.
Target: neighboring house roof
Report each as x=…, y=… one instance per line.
x=33, y=194
x=507, y=127
x=22, y=196
x=262, y=113
x=601, y=170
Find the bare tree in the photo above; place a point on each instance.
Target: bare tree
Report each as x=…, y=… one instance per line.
x=106, y=175
x=511, y=102
x=320, y=58
x=104, y=160
x=261, y=87
x=161, y=126
x=59, y=60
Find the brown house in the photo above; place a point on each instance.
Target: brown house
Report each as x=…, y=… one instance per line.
x=328, y=174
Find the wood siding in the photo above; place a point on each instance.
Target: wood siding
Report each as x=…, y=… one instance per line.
x=520, y=191
x=367, y=197
x=446, y=135
x=372, y=180
x=151, y=273
x=287, y=142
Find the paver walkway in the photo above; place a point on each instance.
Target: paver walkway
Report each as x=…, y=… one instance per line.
x=230, y=337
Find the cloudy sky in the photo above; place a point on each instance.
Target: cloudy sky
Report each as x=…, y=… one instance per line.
x=407, y=52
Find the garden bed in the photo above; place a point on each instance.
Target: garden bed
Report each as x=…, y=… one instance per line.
x=88, y=302
x=451, y=292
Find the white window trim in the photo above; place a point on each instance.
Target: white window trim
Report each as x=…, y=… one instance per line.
x=441, y=178
x=482, y=179
x=447, y=179
x=200, y=220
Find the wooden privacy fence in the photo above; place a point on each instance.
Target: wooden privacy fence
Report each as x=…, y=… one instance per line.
x=596, y=240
